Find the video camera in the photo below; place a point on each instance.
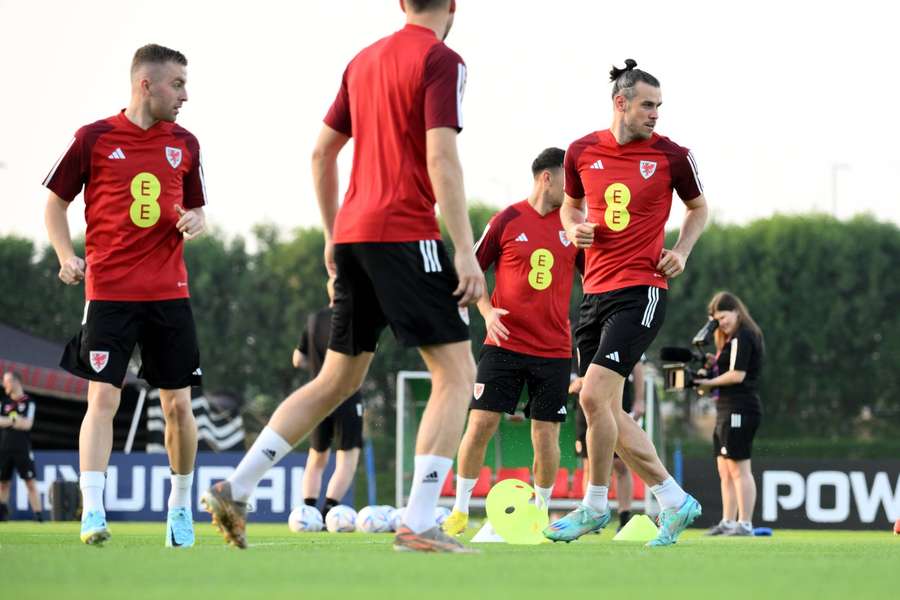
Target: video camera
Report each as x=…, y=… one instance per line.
x=684, y=365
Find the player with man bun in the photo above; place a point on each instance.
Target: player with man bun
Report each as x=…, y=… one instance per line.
x=622, y=179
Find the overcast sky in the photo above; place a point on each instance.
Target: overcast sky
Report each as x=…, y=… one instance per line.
x=773, y=98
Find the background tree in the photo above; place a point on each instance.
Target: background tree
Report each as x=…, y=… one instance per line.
x=824, y=292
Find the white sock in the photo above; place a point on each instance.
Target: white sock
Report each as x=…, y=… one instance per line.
x=669, y=494
x=543, y=495
x=596, y=496
x=428, y=478
x=267, y=450
x=464, y=489
x=728, y=523
x=91, y=484
x=180, y=496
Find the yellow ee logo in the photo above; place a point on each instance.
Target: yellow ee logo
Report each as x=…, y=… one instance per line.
x=540, y=276
x=617, y=196
x=145, y=190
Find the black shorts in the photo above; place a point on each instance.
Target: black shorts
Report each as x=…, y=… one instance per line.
x=616, y=328
x=22, y=462
x=734, y=433
x=502, y=374
x=344, y=426
x=164, y=330
x=407, y=285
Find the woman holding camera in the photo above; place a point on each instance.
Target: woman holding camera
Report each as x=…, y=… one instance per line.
x=736, y=369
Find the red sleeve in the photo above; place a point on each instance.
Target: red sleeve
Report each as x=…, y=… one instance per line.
x=685, y=177
x=338, y=117
x=490, y=246
x=71, y=171
x=574, y=186
x=445, y=84
x=194, y=187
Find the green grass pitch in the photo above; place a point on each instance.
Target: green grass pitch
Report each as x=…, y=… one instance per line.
x=48, y=561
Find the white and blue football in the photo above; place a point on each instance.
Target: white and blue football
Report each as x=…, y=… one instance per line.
x=373, y=519
x=395, y=517
x=341, y=519
x=440, y=514
x=305, y=518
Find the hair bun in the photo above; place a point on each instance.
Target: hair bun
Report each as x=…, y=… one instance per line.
x=616, y=72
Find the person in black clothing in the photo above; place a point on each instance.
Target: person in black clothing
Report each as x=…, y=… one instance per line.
x=343, y=427
x=736, y=369
x=16, y=420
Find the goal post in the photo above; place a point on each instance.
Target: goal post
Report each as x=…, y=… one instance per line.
x=407, y=424
x=412, y=392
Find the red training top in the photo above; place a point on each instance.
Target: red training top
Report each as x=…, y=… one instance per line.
x=132, y=180
x=534, y=267
x=629, y=195
x=391, y=94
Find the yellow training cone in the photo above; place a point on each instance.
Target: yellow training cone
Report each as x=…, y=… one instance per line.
x=638, y=529
x=513, y=514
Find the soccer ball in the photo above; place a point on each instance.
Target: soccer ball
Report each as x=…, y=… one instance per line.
x=305, y=518
x=373, y=519
x=440, y=514
x=395, y=518
x=341, y=519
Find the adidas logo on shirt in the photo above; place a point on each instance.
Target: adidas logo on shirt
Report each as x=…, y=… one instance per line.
x=269, y=453
x=431, y=477
x=613, y=356
x=522, y=238
x=597, y=165
x=117, y=154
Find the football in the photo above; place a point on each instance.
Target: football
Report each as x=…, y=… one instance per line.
x=305, y=518
x=373, y=519
x=440, y=514
x=395, y=518
x=341, y=519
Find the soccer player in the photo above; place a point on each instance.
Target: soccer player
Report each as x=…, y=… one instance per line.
x=622, y=180
x=344, y=426
x=528, y=332
x=144, y=195
x=400, y=99
x=16, y=421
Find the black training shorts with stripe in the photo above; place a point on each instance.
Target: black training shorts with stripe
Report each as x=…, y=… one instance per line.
x=343, y=427
x=407, y=285
x=615, y=328
x=163, y=329
x=734, y=433
x=503, y=373
x=20, y=461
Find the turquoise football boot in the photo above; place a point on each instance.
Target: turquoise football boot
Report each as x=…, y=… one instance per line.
x=672, y=522
x=580, y=521
x=94, y=531
x=179, y=528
